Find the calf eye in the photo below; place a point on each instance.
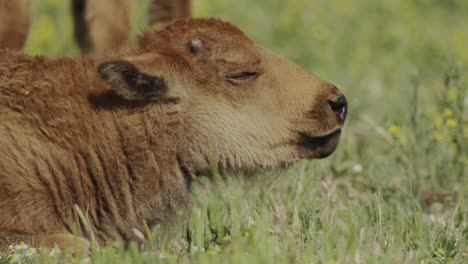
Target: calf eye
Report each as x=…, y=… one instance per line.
x=242, y=76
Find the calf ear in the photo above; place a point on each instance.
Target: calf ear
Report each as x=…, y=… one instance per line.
x=129, y=82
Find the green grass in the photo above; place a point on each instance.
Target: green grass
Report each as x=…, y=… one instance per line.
x=403, y=66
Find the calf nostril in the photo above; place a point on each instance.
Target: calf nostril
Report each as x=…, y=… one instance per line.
x=339, y=105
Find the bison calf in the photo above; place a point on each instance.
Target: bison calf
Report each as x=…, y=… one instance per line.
x=123, y=137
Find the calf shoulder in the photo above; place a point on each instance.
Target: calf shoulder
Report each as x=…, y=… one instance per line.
x=59, y=150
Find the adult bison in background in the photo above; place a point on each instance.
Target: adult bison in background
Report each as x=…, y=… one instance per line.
x=100, y=26
x=123, y=137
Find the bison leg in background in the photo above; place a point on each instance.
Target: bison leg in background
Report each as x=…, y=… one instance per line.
x=102, y=26
x=162, y=11
x=15, y=16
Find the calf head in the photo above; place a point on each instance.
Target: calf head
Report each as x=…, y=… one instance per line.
x=237, y=102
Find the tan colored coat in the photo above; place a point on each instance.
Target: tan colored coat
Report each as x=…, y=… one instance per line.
x=123, y=137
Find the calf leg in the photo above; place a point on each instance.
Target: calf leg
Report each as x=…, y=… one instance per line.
x=15, y=16
x=101, y=26
x=162, y=11
x=79, y=246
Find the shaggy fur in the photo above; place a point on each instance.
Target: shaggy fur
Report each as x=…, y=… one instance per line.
x=122, y=138
x=100, y=26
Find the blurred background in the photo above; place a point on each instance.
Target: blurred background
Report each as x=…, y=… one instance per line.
x=403, y=157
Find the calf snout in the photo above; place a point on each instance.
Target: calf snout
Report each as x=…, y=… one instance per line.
x=339, y=105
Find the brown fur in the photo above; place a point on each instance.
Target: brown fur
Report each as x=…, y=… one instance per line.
x=99, y=26
x=122, y=138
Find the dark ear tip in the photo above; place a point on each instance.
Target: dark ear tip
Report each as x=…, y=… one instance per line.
x=129, y=82
x=102, y=66
x=105, y=69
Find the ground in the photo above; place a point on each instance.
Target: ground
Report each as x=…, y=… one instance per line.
x=396, y=189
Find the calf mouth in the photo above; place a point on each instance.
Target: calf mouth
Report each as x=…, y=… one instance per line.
x=318, y=146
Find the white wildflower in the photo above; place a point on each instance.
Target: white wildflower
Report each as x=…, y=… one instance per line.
x=195, y=249
x=55, y=252
x=31, y=252
x=14, y=258
x=358, y=168
x=21, y=246
x=250, y=222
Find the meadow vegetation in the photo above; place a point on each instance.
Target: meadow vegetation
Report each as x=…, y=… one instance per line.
x=395, y=191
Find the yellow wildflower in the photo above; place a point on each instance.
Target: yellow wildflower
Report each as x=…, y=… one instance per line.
x=451, y=123
x=53, y=3
x=439, y=121
x=448, y=112
x=463, y=160
x=211, y=252
x=439, y=137
x=452, y=94
x=441, y=251
x=454, y=147
x=394, y=130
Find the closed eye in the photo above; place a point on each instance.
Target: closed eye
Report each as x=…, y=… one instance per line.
x=242, y=75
